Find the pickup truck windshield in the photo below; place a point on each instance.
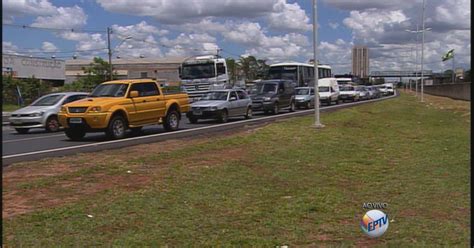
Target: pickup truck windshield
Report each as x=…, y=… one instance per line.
x=194, y=71
x=264, y=88
x=49, y=100
x=302, y=91
x=323, y=89
x=109, y=90
x=216, y=96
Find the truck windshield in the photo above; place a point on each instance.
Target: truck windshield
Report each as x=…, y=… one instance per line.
x=216, y=96
x=48, y=100
x=109, y=90
x=264, y=88
x=323, y=89
x=283, y=72
x=194, y=71
x=302, y=91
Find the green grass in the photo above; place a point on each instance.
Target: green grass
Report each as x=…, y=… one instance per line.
x=284, y=184
x=10, y=107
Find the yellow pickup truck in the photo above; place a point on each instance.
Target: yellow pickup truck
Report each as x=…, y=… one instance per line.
x=115, y=106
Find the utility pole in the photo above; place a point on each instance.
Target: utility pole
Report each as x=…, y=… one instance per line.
x=422, y=48
x=317, y=123
x=454, y=75
x=109, y=31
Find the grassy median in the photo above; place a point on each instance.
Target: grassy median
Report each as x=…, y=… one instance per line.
x=282, y=184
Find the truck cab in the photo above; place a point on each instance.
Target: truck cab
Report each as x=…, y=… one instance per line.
x=201, y=74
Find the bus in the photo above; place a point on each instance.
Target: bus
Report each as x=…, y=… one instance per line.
x=300, y=73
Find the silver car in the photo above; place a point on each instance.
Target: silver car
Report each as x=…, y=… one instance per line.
x=43, y=113
x=304, y=97
x=220, y=105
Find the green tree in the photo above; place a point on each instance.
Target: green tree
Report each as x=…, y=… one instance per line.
x=233, y=69
x=97, y=72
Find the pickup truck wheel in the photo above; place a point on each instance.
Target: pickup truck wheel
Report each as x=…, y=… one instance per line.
x=193, y=120
x=276, y=109
x=22, y=130
x=117, y=127
x=224, y=116
x=249, y=113
x=171, y=122
x=52, y=124
x=292, y=106
x=75, y=133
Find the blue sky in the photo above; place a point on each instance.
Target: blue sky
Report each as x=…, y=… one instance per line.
x=276, y=30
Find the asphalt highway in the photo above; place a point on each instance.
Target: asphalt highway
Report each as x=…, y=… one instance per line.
x=39, y=144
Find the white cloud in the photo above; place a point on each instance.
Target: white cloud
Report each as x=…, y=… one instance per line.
x=49, y=47
x=370, y=4
x=289, y=17
x=333, y=25
x=185, y=11
x=65, y=17
x=13, y=8
x=190, y=44
x=9, y=48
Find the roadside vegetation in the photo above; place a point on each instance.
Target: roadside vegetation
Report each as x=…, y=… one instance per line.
x=282, y=184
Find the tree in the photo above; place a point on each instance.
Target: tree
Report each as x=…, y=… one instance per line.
x=467, y=76
x=233, y=69
x=97, y=72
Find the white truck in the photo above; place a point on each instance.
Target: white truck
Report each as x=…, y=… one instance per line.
x=200, y=74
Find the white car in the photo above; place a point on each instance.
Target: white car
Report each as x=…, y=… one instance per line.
x=328, y=91
x=349, y=92
x=43, y=113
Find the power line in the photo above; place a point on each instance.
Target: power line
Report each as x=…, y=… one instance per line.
x=54, y=29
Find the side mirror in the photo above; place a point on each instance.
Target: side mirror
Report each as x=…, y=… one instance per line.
x=233, y=98
x=133, y=93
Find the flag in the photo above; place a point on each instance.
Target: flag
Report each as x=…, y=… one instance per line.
x=448, y=55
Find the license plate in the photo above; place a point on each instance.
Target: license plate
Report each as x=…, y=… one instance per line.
x=75, y=120
x=197, y=112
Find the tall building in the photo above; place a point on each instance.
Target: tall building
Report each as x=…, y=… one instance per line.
x=360, y=61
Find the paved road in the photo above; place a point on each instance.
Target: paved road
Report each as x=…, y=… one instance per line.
x=38, y=143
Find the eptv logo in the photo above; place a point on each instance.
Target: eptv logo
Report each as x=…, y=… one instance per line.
x=375, y=222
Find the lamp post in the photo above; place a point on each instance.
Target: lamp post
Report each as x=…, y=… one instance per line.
x=417, y=31
x=109, y=32
x=317, y=123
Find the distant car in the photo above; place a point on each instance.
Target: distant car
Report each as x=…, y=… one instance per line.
x=304, y=97
x=220, y=105
x=377, y=92
x=363, y=93
x=43, y=113
x=348, y=93
x=389, y=88
x=383, y=90
x=273, y=95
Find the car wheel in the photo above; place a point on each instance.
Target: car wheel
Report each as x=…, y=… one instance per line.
x=136, y=130
x=171, y=121
x=22, y=130
x=52, y=124
x=292, y=106
x=224, y=116
x=275, y=109
x=117, y=127
x=308, y=105
x=249, y=113
x=192, y=120
x=75, y=133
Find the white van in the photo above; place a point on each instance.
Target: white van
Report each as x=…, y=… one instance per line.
x=328, y=90
x=389, y=89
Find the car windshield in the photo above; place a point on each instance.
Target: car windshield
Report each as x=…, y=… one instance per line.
x=216, y=96
x=323, y=89
x=48, y=100
x=302, y=91
x=347, y=88
x=264, y=88
x=194, y=71
x=109, y=90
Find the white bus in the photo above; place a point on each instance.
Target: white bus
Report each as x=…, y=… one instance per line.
x=300, y=73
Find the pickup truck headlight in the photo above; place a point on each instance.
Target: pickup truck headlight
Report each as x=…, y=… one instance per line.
x=267, y=99
x=95, y=109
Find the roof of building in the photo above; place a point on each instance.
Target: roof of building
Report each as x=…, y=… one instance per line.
x=115, y=61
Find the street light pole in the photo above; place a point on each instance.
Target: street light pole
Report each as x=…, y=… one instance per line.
x=317, y=123
x=109, y=31
x=422, y=48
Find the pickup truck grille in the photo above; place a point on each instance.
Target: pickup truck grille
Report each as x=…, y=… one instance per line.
x=77, y=109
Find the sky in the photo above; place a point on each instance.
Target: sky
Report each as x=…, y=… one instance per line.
x=275, y=30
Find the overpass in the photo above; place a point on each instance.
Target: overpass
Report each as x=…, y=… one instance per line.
x=400, y=74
